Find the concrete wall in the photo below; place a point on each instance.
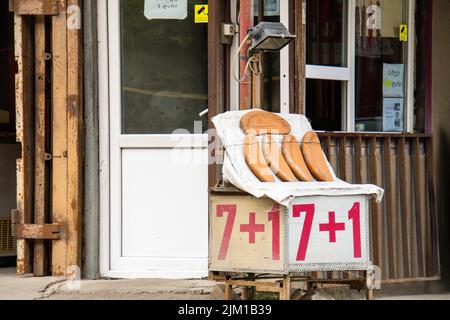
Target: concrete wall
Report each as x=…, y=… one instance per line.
x=441, y=124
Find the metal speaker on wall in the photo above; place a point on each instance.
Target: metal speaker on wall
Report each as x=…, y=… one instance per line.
x=270, y=36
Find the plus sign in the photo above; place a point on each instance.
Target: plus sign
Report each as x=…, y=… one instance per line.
x=252, y=228
x=332, y=227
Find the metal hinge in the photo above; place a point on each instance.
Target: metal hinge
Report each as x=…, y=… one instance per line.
x=34, y=7
x=33, y=231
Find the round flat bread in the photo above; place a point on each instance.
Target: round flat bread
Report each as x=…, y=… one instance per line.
x=315, y=158
x=260, y=122
x=294, y=158
x=255, y=159
x=276, y=160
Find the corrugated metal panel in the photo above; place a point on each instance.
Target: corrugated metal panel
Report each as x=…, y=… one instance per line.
x=404, y=226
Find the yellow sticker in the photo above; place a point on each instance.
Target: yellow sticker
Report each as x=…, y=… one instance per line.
x=201, y=13
x=403, y=32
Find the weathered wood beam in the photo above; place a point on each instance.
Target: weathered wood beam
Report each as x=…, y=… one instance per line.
x=25, y=136
x=34, y=7
x=39, y=265
x=59, y=136
x=75, y=140
x=299, y=58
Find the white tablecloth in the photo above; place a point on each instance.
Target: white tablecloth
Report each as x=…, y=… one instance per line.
x=237, y=172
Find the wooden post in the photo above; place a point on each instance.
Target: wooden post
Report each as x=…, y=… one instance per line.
x=23, y=47
x=285, y=293
x=216, y=76
x=258, y=80
x=300, y=58
x=246, y=23
x=59, y=134
x=39, y=267
x=74, y=140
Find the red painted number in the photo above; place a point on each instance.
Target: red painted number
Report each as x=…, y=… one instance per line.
x=231, y=210
x=355, y=215
x=309, y=209
x=274, y=217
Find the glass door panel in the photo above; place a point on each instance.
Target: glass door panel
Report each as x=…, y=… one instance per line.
x=164, y=71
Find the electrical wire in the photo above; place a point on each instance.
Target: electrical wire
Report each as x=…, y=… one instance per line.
x=253, y=63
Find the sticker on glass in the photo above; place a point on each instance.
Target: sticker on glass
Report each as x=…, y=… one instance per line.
x=201, y=13
x=403, y=32
x=393, y=114
x=165, y=9
x=393, y=78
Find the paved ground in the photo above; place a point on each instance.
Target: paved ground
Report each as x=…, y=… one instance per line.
x=29, y=288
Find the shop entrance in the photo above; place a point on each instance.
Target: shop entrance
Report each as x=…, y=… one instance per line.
x=8, y=146
x=158, y=150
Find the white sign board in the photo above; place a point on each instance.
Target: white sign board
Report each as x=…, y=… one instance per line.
x=166, y=9
x=328, y=233
x=393, y=79
x=393, y=116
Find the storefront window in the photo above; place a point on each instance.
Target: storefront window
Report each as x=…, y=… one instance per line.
x=381, y=65
x=327, y=66
x=326, y=32
x=164, y=69
x=368, y=72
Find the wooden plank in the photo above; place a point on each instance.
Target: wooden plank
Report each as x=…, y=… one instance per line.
x=419, y=206
x=411, y=280
x=60, y=135
x=35, y=7
x=39, y=267
x=37, y=231
x=390, y=210
x=285, y=293
x=216, y=79
x=246, y=23
x=258, y=80
x=430, y=165
x=25, y=136
x=74, y=144
x=299, y=58
x=405, y=192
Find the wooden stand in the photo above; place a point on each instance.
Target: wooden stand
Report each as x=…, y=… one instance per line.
x=282, y=285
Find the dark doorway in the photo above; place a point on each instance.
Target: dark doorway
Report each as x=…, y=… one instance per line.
x=8, y=146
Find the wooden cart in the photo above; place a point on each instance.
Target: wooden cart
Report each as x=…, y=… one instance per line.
x=258, y=243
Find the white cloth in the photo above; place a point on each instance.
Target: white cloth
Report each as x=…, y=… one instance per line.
x=237, y=172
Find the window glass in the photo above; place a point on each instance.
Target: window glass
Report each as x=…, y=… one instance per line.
x=326, y=32
x=324, y=103
x=164, y=71
x=381, y=65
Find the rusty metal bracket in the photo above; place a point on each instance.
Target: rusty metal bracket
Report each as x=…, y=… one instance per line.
x=33, y=231
x=34, y=7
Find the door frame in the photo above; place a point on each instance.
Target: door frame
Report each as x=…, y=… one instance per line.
x=112, y=142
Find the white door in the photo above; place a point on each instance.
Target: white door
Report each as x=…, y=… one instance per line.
x=157, y=225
